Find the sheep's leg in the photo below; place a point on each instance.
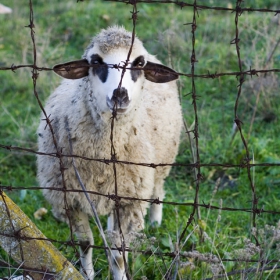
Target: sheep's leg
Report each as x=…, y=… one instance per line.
x=116, y=256
x=156, y=209
x=156, y=214
x=131, y=219
x=118, y=265
x=81, y=228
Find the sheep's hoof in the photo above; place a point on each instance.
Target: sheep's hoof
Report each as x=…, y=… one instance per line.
x=155, y=224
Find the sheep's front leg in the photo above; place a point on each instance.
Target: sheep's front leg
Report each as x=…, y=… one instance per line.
x=118, y=264
x=131, y=221
x=81, y=228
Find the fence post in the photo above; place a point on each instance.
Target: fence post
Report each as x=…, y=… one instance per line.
x=26, y=244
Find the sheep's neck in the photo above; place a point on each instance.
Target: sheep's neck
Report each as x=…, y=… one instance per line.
x=113, y=134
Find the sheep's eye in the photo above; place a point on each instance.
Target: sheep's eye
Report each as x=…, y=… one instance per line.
x=139, y=62
x=96, y=59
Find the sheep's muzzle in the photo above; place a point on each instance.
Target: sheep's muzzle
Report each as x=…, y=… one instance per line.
x=120, y=100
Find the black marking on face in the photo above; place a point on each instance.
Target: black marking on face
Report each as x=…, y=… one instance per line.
x=100, y=67
x=139, y=62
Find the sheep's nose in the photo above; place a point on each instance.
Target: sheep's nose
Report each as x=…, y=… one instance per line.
x=120, y=96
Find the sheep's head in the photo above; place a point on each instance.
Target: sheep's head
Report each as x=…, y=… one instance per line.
x=116, y=83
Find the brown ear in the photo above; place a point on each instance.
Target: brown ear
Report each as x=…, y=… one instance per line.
x=72, y=70
x=159, y=73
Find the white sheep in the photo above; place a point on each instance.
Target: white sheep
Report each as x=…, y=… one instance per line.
x=146, y=130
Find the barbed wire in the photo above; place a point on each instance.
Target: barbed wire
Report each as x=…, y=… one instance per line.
x=246, y=163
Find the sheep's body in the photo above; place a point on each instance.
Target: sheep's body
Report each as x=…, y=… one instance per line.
x=151, y=137
x=148, y=133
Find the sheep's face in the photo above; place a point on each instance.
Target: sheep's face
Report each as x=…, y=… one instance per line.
x=116, y=88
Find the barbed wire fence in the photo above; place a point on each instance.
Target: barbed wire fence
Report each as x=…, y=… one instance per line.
x=255, y=210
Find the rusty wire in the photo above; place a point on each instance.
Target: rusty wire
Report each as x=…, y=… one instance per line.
x=255, y=210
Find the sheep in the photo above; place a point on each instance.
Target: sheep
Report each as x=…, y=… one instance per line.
x=147, y=127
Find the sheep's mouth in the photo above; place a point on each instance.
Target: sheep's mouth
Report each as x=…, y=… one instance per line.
x=119, y=111
x=119, y=108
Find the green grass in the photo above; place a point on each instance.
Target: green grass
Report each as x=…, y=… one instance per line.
x=62, y=31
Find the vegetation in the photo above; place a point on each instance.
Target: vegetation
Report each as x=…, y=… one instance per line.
x=218, y=241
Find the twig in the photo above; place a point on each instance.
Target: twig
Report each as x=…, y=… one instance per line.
x=94, y=211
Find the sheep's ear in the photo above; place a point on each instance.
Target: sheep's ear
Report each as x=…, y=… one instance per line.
x=72, y=70
x=159, y=73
